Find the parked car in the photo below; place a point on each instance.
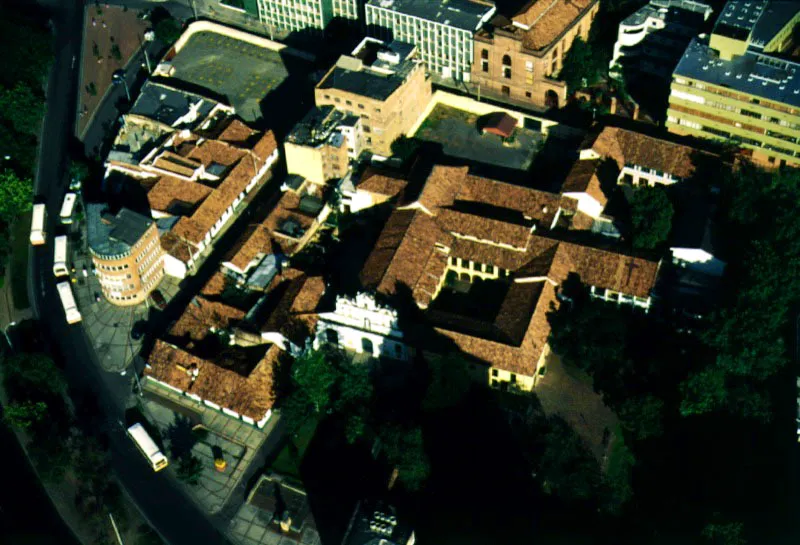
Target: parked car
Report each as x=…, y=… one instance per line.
x=138, y=330
x=157, y=298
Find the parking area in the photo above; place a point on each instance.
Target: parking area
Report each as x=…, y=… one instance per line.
x=242, y=72
x=457, y=132
x=178, y=418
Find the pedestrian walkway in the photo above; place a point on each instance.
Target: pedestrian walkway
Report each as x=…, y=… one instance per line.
x=108, y=326
x=237, y=442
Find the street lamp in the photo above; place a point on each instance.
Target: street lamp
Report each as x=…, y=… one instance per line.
x=149, y=36
x=119, y=78
x=5, y=334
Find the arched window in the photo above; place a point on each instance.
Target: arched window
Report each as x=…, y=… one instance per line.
x=366, y=346
x=506, y=66
x=332, y=336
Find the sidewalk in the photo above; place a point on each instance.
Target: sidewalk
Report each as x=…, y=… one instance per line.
x=241, y=444
x=108, y=326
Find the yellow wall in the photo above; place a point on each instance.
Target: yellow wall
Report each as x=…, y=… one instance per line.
x=727, y=47
x=304, y=161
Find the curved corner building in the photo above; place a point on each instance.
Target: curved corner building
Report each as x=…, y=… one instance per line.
x=126, y=252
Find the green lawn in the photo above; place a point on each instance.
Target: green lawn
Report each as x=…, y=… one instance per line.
x=289, y=458
x=20, y=244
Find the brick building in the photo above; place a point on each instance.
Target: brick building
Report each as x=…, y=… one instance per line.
x=520, y=58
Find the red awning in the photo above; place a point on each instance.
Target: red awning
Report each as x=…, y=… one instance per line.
x=499, y=123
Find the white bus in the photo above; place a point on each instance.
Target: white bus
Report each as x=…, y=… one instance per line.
x=148, y=447
x=60, y=257
x=38, y=222
x=67, y=208
x=68, y=302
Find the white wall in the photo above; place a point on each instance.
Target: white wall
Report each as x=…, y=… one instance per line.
x=174, y=267
x=698, y=260
x=587, y=204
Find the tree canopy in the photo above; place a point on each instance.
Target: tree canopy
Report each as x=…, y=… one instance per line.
x=651, y=217
x=16, y=196
x=168, y=30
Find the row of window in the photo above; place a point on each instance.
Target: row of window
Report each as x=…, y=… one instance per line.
x=467, y=264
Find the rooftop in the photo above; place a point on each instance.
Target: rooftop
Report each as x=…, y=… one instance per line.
x=377, y=523
x=669, y=11
x=754, y=74
x=462, y=14
x=114, y=234
x=458, y=215
x=545, y=20
x=318, y=127
x=629, y=148
x=281, y=501
x=375, y=69
x=171, y=106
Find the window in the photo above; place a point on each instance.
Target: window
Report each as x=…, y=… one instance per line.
x=348, y=102
x=377, y=110
x=485, y=54
x=484, y=66
x=513, y=378
x=332, y=336
x=360, y=106
x=367, y=129
x=364, y=116
x=527, y=94
x=506, y=90
x=337, y=100
x=494, y=372
x=366, y=345
x=506, y=66
x=490, y=269
x=529, y=66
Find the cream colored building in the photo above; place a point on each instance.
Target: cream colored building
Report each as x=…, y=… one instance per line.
x=381, y=84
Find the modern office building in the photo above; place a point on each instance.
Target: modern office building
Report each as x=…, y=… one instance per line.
x=742, y=83
x=126, y=253
x=442, y=30
x=297, y=15
x=651, y=40
x=381, y=84
x=347, y=9
x=519, y=58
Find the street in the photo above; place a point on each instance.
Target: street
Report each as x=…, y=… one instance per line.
x=160, y=499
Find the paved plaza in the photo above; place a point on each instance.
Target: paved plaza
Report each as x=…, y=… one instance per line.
x=250, y=527
x=109, y=326
x=238, y=442
x=242, y=72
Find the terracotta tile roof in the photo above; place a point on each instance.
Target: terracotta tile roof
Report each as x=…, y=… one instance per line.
x=169, y=191
x=603, y=269
x=215, y=285
x=236, y=133
x=454, y=187
x=548, y=19
x=255, y=241
x=483, y=228
x=521, y=358
x=380, y=183
x=175, y=246
x=633, y=148
x=202, y=315
x=295, y=313
x=251, y=394
x=213, y=151
x=404, y=254
x=172, y=162
x=582, y=178
x=189, y=231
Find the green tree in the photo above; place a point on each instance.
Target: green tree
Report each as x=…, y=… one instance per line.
x=651, y=217
x=580, y=64
x=16, y=196
x=29, y=376
x=726, y=533
x=116, y=53
x=601, y=329
x=405, y=148
x=404, y=449
x=449, y=382
x=25, y=414
x=190, y=468
x=642, y=416
x=315, y=375
x=23, y=108
x=567, y=468
x=78, y=171
x=168, y=31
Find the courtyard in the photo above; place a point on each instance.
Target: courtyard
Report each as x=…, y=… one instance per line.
x=457, y=132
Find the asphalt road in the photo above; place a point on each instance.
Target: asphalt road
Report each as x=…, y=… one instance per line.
x=159, y=498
